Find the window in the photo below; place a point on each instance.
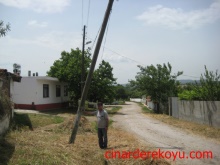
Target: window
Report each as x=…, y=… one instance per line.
x=65, y=90
x=45, y=90
x=58, y=91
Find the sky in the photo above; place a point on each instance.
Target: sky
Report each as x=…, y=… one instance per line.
x=185, y=33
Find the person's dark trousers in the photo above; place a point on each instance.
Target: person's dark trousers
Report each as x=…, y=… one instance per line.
x=102, y=135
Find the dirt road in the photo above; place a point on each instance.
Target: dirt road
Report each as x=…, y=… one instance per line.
x=167, y=138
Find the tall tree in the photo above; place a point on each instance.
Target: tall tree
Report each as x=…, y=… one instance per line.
x=4, y=30
x=158, y=82
x=209, y=86
x=207, y=89
x=121, y=92
x=68, y=69
x=103, y=84
x=133, y=90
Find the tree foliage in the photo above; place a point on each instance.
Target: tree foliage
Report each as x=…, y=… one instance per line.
x=4, y=30
x=68, y=69
x=157, y=82
x=207, y=89
x=121, y=92
x=103, y=84
x=133, y=90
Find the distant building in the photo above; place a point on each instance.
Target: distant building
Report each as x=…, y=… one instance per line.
x=40, y=93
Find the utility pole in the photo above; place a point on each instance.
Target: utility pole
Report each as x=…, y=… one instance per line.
x=83, y=62
x=89, y=77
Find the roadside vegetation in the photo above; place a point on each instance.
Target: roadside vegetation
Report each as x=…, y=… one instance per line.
x=113, y=110
x=47, y=142
x=198, y=129
x=207, y=89
x=145, y=109
x=158, y=83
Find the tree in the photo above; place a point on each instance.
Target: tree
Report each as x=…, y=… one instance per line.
x=158, y=83
x=4, y=30
x=207, y=89
x=133, y=90
x=68, y=69
x=121, y=92
x=209, y=86
x=103, y=84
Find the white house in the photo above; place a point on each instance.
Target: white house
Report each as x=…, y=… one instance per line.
x=40, y=93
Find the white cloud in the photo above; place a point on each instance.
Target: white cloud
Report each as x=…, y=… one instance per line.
x=48, y=6
x=54, y=40
x=35, y=23
x=178, y=19
x=37, y=54
x=60, y=40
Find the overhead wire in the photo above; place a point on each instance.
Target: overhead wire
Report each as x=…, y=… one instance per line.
x=140, y=62
x=104, y=47
x=86, y=19
x=125, y=56
x=88, y=14
x=95, y=38
x=82, y=11
x=106, y=36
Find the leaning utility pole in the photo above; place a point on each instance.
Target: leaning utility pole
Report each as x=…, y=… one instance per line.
x=83, y=61
x=89, y=77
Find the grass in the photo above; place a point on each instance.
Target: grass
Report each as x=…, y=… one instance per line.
x=23, y=120
x=145, y=109
x=191, y=127
x=113, y=110
x=95, y=126
x=48, y=144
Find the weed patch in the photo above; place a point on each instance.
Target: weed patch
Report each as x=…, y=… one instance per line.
x=48, y=144
x=191, y=127
x=113, y=110
x=145, y=109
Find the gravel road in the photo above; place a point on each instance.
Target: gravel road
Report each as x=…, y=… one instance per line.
x=167, y=138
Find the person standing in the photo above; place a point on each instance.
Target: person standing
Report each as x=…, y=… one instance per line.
x=102, y=122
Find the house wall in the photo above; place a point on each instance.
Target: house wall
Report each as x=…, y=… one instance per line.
x=29, y=94
x=52, y=92
x=25, y=92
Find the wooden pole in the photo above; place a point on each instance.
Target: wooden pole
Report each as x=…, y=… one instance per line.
x=89, y=77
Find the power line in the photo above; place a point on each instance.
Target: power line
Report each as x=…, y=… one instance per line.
x=104, y=47
x=106, y=36
x=141, y=63
x=95, y=38
x=82, y=11
x=87, y=24
x=125, y=57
